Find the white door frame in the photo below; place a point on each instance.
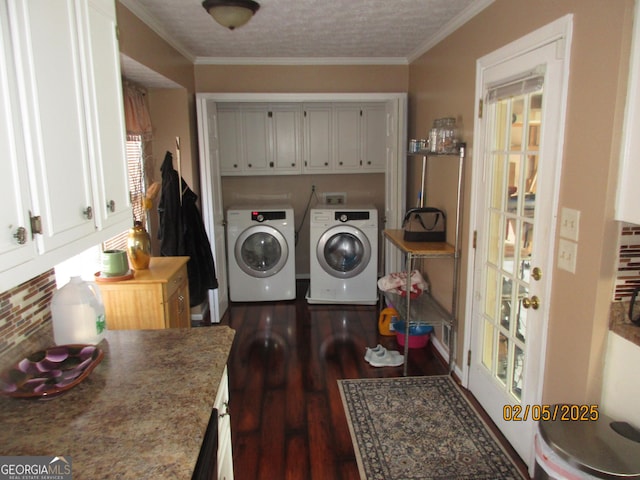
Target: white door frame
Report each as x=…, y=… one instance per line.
x=395, y=173
x=560, y=29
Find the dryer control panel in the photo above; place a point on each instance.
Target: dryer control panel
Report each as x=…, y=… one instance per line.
x=351, y=215
x=260, y=216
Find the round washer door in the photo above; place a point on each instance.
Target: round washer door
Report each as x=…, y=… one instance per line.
x=261, y=251
x=343, y=251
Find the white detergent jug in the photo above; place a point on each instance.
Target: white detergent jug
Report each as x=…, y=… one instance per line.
x=78, y=313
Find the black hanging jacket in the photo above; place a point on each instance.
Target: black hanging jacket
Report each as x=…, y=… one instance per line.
x=182, y=232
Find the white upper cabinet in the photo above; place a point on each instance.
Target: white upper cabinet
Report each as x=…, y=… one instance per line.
x=318, y=148
x=629, y=174
x=347, y=134
x=16, y=244
x=295, y=138
x=61, y=56
x=286, y=135
x=259, y=139
x=111, y=187
x=50, y=70
x=229, y=140
x=344, y=138
x=374, y=137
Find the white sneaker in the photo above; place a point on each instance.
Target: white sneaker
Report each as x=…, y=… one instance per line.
x=369, y=351
x=386, y=358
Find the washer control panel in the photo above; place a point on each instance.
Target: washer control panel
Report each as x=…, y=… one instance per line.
x=260, y=216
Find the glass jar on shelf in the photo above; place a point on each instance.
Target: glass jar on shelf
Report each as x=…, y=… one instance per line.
x=446, y=135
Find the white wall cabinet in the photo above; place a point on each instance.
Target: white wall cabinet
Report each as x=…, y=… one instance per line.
x=628, y=193
x=374, y=137
x=108, y=138
x=260, y=139
x=67, y=100
x=295, y=138
x=344, y=138
x=318, y=138
x=225, y=454
x=16, y=244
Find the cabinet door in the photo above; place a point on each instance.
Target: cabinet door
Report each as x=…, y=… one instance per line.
x=48, y=52
x=374, y=137
x=286, y=126
x=225, y=455
x=14, y=214
x=133, y=306
x=256, y=142
x=346, y=134
x=178, y=313
x=318, y=152
x=111, y=192
x=229, y=126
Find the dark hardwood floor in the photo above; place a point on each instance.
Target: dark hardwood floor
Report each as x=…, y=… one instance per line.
x=287, y=419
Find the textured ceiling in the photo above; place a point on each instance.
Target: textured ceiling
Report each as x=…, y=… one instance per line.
x=309, y=31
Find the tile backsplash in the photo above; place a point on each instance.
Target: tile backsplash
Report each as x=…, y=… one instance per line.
x=628, y=277
x=24, y=309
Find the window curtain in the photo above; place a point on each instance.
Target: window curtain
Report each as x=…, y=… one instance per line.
x=136, y=112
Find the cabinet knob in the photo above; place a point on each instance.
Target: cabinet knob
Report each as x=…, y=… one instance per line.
x=111, y=206
x=235, y=165
x=271, y=164
x=326, y=164
x=181, y=304
x=293, y=164
x=21, y=235
x=88, y=213
x=249, y=165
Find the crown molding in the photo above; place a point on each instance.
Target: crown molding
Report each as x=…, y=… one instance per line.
x=301, y=61
x=146, y=18
x=448, y=28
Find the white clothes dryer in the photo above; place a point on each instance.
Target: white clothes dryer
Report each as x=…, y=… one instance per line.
x=343, y=255
x=261, y=253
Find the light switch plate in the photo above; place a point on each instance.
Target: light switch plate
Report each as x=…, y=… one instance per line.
x=567, y=253
x=570, y=224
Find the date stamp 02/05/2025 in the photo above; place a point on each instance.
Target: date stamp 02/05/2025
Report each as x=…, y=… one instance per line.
x=562, y=412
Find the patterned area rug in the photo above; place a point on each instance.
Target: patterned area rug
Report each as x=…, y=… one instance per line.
x=420, y=428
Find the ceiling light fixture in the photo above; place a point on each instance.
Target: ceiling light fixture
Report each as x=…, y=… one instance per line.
x=231, y=13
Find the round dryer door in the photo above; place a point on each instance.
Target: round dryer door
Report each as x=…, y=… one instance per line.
x=261, y=251
x=343, y=251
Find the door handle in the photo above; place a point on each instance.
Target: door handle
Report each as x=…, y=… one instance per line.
x=536, y=273
x=533, y=302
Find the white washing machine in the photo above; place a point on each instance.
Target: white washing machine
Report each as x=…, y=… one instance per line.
x=343, y=255
x=261, y=253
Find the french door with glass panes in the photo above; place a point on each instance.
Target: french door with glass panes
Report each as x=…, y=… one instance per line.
x=515, y=184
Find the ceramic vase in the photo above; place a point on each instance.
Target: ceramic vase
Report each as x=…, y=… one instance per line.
x=139, y=247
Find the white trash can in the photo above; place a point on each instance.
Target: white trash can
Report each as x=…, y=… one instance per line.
x=576, y=450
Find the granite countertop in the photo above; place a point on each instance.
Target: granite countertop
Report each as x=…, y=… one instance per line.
x=620, y=323
x=142, y=413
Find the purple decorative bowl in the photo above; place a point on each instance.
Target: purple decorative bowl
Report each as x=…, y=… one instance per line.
x=50, y=372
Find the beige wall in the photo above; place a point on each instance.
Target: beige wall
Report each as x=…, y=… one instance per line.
x=442, y=84
x=142, y=44
x=172, y=110
x=301, y=78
